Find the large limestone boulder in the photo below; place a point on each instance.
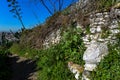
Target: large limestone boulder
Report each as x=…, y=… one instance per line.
x=93, y=55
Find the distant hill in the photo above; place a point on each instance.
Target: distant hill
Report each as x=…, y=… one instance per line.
x=7, y=36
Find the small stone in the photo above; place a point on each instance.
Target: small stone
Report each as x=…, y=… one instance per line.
x=115, y=31
x=87, y=36
x=106, y=16
x=79, y=26
x=114, y=22
x=109, y=37
x=102, y=40
x=92, y=20
x=99, y=14
x=101, y=22
x=86, y=45
x=91, y=16
x=112, y=41
x=95, y=23
x=113, y=26
x=85, y=39
x=117, y=12
x=91, y=25
x=86, y=75
x=90, y=67
x=92, y=30
x=114, y=38
x=99, y=29
x=92, y=36
x=105, y=13
x=96, y=36
x=98, y=19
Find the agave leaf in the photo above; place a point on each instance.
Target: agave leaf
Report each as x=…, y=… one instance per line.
x=14, y=16
x=19, y=9
x=9, y=5
x=12, y=10
x=9, y=0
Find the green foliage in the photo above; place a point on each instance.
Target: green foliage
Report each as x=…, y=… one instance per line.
x=23, y=51
x=16, y=49
x=88, y=30
x=5, y=72
x=66, y=11
x=105, y=34
x=53, y=61
x=109, y=68
x=105, y=4
x=99, y=5
x=4, y=66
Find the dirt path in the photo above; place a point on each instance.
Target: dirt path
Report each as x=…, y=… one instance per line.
x=22, y=68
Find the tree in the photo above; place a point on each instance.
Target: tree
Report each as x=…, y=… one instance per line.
x=3, y=39
x=16, y=11
x=53, y=6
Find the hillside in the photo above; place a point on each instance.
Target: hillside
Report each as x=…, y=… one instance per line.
x=72, y=16
x=81, y=42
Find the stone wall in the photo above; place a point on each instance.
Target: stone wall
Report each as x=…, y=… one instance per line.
x=103, y=27
x=53, y=38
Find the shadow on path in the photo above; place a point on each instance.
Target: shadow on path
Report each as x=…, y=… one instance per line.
x=22, y=68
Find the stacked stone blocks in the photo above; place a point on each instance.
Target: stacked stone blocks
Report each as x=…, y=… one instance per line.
x=103, y=27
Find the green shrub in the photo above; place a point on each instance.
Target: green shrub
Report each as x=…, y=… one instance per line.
x=53, y=61
x=66, y=11
x=17, y=49
x=23, y=51
x=4, y=66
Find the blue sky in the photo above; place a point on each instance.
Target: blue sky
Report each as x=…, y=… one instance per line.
x=7, y=21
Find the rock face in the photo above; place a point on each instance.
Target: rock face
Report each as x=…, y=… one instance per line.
x=93, y=55
x=53, y=38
